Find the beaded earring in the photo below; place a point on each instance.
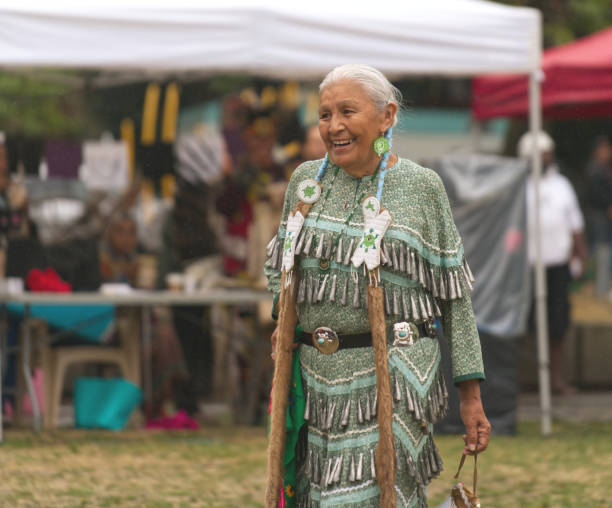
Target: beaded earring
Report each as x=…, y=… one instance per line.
x=381, y=145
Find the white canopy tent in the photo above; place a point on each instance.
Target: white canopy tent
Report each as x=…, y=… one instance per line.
x=271, y=37
x=286, y=40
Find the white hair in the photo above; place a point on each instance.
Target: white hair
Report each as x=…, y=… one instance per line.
x=376, y=85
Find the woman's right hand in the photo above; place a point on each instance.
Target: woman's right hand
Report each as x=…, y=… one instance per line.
x=273, y=341
x=273, y=338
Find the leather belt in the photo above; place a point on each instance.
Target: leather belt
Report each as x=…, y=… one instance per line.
x=327, y=341
x=344, y=341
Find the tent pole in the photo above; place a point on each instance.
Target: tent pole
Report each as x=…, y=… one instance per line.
x=535, y=125
x=476, y=131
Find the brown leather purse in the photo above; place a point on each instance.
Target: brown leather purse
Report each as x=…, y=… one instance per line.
x=461, y=496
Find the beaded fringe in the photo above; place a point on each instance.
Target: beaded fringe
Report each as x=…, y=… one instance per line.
x=413, y=304
x=308, y=503
x=324, y=413
x=443, y=283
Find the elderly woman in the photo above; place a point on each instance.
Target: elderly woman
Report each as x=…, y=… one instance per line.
x=367, y=257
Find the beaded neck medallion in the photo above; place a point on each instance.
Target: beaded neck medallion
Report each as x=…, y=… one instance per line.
x=376, y=220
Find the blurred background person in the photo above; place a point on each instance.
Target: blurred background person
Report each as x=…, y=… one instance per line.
x=119, y=264
x=248, y=183
x=13, y=203
x=234, y=119
x=119, y=250
x=4, y=172
x=202, y=158
x=250, y=204
x=562, y=246
x=599, y=199
x=313, y=147
x=4, y=205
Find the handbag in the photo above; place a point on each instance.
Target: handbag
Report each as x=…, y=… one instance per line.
x=461, y=496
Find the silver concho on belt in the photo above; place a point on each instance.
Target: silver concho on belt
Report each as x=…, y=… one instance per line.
x=325, y=340
x=405, y=334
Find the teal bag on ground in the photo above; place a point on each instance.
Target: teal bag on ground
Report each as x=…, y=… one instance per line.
x=104, y=403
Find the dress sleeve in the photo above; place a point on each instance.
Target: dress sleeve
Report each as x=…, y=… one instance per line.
x=458, y=322
x=459, y=327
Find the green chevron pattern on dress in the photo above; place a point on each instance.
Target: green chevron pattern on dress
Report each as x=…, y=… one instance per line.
x=342, y=429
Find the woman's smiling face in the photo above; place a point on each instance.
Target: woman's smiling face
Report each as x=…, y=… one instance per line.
x=349, y=123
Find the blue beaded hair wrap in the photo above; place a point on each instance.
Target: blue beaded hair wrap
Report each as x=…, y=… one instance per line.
x=382, y=168
x=322, y=168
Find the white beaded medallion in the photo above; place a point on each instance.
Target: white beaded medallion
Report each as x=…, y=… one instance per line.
x=375, y=226
x=309, y=191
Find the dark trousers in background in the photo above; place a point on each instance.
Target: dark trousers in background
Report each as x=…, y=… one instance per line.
x=192, y=325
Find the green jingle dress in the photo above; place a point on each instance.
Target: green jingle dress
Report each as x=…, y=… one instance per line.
x=424, y=276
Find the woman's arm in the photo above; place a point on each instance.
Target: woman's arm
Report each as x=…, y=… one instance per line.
x=459, y=327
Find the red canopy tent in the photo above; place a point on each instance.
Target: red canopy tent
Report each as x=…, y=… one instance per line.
x=577, y=82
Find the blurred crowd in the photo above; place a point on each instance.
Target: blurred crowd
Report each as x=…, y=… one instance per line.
x=204, y=223
x=565, y=237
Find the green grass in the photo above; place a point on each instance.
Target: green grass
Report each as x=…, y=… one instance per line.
x=573, y=467
x=225, y=467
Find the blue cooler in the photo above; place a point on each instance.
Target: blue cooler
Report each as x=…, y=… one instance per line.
x=104, y=403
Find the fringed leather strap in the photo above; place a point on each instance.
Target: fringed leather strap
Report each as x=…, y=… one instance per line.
x=385, y=453
x=475, y=470
x=287, y=321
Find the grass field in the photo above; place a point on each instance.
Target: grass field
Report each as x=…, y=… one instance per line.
x=225, y=467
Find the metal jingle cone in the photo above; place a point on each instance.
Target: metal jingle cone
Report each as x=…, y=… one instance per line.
x=413, y=307
x=332, y=291
x=387, y=306
x=329, y=247
x=301, y=291
x=308, y=243
x=321, y=291
x=349, y=252
x=396, y=309
x=300, y=243
x=422, y=306
x=319, y=251
x=398, y=393
x=356, y=299
x=372, y=464
x=394, y=256
x=405, y=306
x=344, y=291
x=345, y=414
x=271, y=245
x=339, y=251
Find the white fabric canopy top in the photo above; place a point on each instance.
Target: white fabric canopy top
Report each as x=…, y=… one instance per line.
x=271, y=37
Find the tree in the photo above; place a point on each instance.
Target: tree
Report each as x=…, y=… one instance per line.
x=566, y=20
x=31, y=105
